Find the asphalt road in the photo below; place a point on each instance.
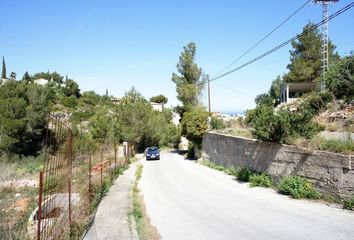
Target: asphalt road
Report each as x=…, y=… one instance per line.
x=186, y=200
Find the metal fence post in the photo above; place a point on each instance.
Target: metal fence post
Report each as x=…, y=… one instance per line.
x=101, y=172
x=39, y=213
x=126, y=153
x=115, y=159
x=69, y=161
x=89, y=182
x=110, y=170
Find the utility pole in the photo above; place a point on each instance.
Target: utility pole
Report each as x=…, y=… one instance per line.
x=209, y=106
x=324, y=39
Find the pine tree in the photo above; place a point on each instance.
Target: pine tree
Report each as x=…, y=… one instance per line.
x=3, y=75
x=305, y=58
x=187, y=87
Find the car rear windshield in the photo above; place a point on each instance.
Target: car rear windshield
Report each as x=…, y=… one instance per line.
x=152, y=149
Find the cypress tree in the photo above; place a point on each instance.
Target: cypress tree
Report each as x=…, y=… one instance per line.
x=3, y=75
x=26, y=77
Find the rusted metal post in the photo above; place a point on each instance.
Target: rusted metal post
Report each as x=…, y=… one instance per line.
x=101, y=182
x=69, y=161
x=115, y=159
x=110, y=171
x=101, y=172
x=39, y=213
x=127, y=153
x=90, y=186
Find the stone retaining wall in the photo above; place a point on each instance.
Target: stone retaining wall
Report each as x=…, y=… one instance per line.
x=331, y=173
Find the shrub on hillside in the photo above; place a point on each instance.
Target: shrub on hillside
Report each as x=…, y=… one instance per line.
x=298, y=187
x=194, y=125
x=283, y=126
x=70, y=102
x=316, y=101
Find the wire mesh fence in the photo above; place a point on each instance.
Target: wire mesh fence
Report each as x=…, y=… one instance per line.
x=71, y=184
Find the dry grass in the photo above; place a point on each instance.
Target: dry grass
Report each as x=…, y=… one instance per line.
x=17, y=197
x=239, y=132
x=15, y=207
x=345, y=146
x=332, y=127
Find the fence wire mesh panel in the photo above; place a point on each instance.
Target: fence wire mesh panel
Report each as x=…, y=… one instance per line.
x=73, y=182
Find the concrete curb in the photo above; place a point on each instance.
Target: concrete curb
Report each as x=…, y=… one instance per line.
x=112, y=220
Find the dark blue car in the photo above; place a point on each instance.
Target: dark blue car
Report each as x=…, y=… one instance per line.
x=152, y=153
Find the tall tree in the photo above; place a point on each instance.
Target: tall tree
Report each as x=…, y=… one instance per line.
x=3, y=74
x=189, y=76
x=13, y=76
x=26, y=77
x=71, y=88
x=305, y=58
x=159, y=99
x=275, y=89
x=133, y=116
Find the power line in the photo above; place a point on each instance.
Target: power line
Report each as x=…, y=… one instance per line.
x=339, y=12
x=264, y=38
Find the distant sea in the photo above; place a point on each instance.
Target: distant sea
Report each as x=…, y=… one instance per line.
x=235, y=113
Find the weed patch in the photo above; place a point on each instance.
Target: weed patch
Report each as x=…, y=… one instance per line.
x=244, y=174
x=297, y=187
x=228, y=170
x=261, y=180
x=349, y=203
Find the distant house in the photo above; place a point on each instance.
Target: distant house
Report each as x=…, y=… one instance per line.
x=115, y=101
x=157, y=106
x=292, y=91
x=3, y=80
x=41, y=81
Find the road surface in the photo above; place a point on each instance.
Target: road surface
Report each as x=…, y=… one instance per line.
x=186, y=200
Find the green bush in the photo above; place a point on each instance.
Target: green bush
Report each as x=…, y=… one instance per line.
x=217, y=123
x=70, y=102
x=261, y=180
x=316, y=101
x=349, y=203
x=244, y=174
x=298, y=187
x=283, y=126
x=250, y=115
x=195, y=124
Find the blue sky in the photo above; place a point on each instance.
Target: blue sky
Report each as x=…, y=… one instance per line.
x=114, y=44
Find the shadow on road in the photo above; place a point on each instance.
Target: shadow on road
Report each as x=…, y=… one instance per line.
x=183, y=153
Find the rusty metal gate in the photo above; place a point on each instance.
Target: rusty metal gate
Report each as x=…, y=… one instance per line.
x=71, y=184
